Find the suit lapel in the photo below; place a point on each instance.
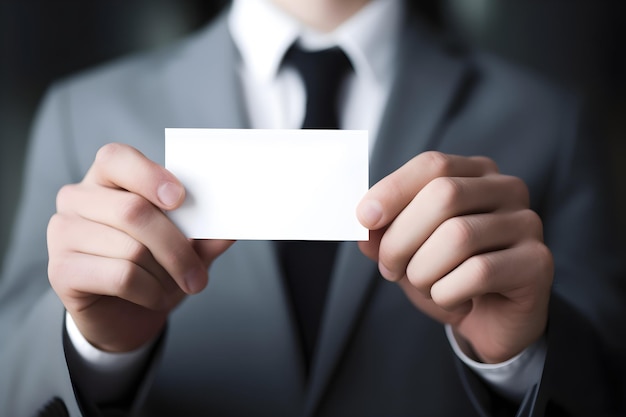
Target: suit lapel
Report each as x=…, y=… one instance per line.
x=427, y=83
x=430, y=81
x=203, y=82
x=205, y=91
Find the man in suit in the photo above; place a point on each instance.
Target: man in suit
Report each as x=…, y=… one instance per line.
x=491, y=284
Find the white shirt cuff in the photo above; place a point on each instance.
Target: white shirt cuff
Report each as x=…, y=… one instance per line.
x=103, y=376
x=512, y=378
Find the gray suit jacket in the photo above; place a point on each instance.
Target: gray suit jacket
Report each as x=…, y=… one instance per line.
x=232, y=350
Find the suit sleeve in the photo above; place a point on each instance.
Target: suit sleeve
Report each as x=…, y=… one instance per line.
x=31, y=316
x=32, y=354
x=583, y=371
x=586, y=336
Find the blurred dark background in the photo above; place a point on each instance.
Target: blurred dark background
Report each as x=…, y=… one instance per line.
x=578, y=43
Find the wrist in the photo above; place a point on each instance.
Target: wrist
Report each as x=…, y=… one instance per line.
x=511, y=378
x=99, y=359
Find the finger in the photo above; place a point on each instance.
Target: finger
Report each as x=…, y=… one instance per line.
x=392, y=194
x=428, y=306
x=460, y=238
x=79, y=274
x=209, y=249
x=371, y=247
x=72, y=233
x=514, y=274
x=442, y=199
x=121, y=166
x=137, y=217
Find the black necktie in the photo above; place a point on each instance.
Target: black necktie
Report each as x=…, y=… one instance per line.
x=307, y=265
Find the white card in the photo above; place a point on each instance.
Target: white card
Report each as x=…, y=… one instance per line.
x=269, y=184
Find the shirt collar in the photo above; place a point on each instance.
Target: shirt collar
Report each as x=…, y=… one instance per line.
x=263, y=33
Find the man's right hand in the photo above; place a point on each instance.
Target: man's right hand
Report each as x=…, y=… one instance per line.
x=116, y=261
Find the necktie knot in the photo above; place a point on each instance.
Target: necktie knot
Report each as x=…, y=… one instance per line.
x=322, y=72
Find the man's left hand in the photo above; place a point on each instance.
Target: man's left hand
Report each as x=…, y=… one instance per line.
x=462, y=242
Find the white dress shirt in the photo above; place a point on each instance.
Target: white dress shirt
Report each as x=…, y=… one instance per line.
x=275, y=95
x=275, y=98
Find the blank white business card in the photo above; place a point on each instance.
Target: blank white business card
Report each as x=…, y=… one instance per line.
x=267, y=184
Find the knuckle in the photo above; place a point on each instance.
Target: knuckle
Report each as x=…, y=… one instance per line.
x=56, y=223
x=124, y=278
x=180, y=259
x=61, y=233
x=136, y=210
x=518, y=189
x=417, y=280
x=59, y=268
x=109, y=152
x=174, y=262
x=459, y=232
x=128, y=286
x=482, y=269
x=532, y=223
x=136, y=251
x=441, y=298
x=490, y=166
x=390, y=255
x=446, y=192
x=439, y=163
x=393, y=187
x=543, y=260
x=64, y=196
x=57, y=227
x=55, y=269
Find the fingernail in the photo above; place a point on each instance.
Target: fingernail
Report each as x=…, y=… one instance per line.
x=195, y=281
x=370, y=213
x=169, y=193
